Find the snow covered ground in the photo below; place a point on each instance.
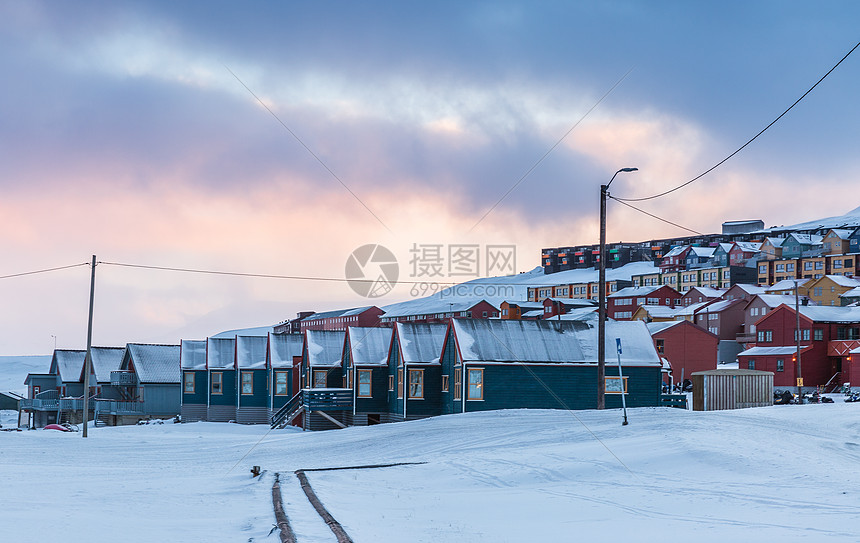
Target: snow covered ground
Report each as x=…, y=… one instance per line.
x=14, y=370
x=777, y=473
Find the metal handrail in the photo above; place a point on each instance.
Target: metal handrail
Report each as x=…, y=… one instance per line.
x=286, y=409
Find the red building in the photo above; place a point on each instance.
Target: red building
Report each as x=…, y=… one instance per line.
x=827, y=337
x=622, y=304
x=687, y=347
x=436, y=311
x=341, y=318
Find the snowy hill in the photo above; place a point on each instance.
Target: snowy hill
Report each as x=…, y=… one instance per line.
x=14, y=370
x=848, y=220
x=783, y=473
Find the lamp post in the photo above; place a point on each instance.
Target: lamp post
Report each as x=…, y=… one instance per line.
x=601, y=296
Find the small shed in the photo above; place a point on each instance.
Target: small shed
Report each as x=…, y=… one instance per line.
x=715, y=390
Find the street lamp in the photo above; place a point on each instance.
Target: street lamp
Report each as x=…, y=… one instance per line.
x=601, y=311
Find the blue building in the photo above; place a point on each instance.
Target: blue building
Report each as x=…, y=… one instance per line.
x=285, y=360
x=252, y=400
x=195, y=380
x=365, y=359
x=221, y=366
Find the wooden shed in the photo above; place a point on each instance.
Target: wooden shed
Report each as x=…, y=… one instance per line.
x=716, y=390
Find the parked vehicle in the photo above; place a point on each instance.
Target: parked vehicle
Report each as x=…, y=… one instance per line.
x=853, y=397
x=783, y=397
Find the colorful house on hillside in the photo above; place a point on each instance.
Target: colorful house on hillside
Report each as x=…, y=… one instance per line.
x=252, y=400
x=685, y=346
x=221, y=366
x=544, y=365
x=365, y=358
x=415, y=381
x=827, y=337
x=828, y=289
x=195, y=380
x=622, y=304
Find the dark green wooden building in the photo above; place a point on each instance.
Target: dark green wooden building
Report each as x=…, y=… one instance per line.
x=252, y=401
x=195, y=380
x=365, y=358
x=221, y=365
x=510, y=364
x=284, y=360
x=414, y=371
x=326, y=402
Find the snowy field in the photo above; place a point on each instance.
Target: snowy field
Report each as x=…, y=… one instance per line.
x=783, y=473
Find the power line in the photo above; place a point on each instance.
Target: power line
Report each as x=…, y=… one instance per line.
x=46, y=270
x=620, y=201
x=720, y=163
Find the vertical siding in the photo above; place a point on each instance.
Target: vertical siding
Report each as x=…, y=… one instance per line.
x=715, y=392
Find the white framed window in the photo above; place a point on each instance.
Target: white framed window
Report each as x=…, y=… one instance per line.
x=320, y=378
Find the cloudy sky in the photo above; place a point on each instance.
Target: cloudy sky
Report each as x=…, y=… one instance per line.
x=276, y=137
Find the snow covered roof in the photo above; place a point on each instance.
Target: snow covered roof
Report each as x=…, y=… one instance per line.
x=806, y=239
x=661, y=311
x=633, y=292
x=338, y=313
x=718, y=306
x=251, y=352
x=853, y=293
x=787, y=284
x=420, y=343
x=369, y=345
x=657, y=327
x=574, y=302
x=750, y=289
x=534, y=313
x=221, y=353
x=482, y=340
x=104, y=361
x=702, y=252
x=707, y=291
x=824, y=313
x=841, y=233
x=776, y=242
x=579, y=314
x=843, y=281
x=689, y=310
x=68, y=364
x=257, y=331
x=282, y=349
x=749, y=246
x=153, y=363
x=787, y=350
x=192, y=354
x=675, y=251
x=526, y=304
x=775, y=300
x=432, y=305
x=849, y=220
x=324, y=347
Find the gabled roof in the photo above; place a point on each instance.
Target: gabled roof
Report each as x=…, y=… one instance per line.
x=68, y=364
x=221, y=353
x=805, y=239
x=787, y=350
x=572, y=342
x=104, y=361
x=324, y=347
x=251, y=352
x=633, y=292
x=708, y=292
x=773, y=300
x=702, y=252
x=749, y=289
x=720, y=305
x=524, y=304
x=659, y=311
x=676, y=251
x=256, y=331
x=853, y=293
x=841, y=233
x=432, y=305
x=787, y=284
x=749, y=246
x=657, y=327
x=282, y=349
x=420, y=343
x=368, y=345
x=579, y=314
x=338, y=313
x=842, y=280
x=823, y=313
x=153, y=363
x=192, y=354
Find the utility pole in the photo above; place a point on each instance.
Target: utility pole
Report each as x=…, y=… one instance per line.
x=797, y=334
x=601, y=296
x=88, y=359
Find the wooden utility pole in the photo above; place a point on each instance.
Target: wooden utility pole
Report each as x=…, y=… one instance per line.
x=88, y=359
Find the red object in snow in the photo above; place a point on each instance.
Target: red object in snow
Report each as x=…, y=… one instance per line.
x=57, y=427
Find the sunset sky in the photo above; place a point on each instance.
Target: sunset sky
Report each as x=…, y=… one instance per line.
x=129, y=130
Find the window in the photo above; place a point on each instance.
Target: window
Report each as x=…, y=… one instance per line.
x=713, y=316
x=807, y=266
x=390, y=383
x=765, y=336
x=714, y=330
x=36, y=390
x=217, y=377
x=400, y=383
x=849, y=263
x=320, y=378
x=364, y=389
x=780, y=267
x=762, y=269
x=819, y=265
x=457, y=383
x=789, y=267
x=751, y=364
x=612, y=385
x=416, y=384
x=804, y=334
x=444, y=383
x=818, y=291
x=780, y=365
x=247, y=379
x=660, y=345
x=188, y=382
x=818, y=334
x=753, y=311
x=476, y=384
x=837, y=264
x=281, y=383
